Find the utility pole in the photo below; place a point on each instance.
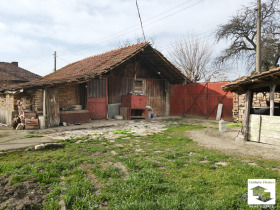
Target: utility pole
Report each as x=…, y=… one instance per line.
x=54, y=60
x=258, y=47
x=144, y=37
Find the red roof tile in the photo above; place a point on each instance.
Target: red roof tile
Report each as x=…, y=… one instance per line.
x=11, y=72
x=242, y=83
x=91, y=67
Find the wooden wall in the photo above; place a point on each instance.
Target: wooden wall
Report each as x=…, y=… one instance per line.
x=52, y=107
x=264, y=129
x=121, y=82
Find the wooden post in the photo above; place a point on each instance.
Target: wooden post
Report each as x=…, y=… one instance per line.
x=44, y=105
x=167, y=98
x=271, y=98
x=248, y=102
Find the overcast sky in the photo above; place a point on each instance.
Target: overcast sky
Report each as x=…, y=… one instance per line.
x=31, y=30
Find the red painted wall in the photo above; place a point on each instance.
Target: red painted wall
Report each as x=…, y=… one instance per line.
x=201, y=100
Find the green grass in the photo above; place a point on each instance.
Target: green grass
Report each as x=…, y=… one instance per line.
x=234, y=125
x=121, y=131
x=169, y=172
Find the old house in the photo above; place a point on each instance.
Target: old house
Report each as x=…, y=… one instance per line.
x=93, y=88
x=11, y=73
x=260, y=104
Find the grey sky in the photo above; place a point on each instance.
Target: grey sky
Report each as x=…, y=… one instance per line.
x=31, y=30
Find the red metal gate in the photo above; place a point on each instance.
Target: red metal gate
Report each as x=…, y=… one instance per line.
x=97, y=98
x=200, y=99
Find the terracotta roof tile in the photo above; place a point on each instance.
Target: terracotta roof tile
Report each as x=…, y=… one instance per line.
x=11, y=72
x=89, y=67
x=250, y=80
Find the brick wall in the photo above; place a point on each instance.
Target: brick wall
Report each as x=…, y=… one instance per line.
x=69, y=95
x=259, y=100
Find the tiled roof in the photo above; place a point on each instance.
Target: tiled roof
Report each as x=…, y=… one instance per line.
x=91, y=67
x=241, y=84
x=11, y=72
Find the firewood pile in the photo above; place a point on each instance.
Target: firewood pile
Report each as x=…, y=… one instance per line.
x=26, y=119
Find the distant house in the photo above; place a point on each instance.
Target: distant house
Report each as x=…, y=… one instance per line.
x=92, y=88
x=11, y=73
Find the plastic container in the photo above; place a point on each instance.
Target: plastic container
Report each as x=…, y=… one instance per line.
x=118, y=117
x=42, y=122
x=222, y=125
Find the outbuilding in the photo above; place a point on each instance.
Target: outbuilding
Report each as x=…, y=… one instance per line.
x=93, y=88
x=261, y=119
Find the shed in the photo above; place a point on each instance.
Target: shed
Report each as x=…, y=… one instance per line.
x=11, y=74
x=260, y=123
x=92, y=88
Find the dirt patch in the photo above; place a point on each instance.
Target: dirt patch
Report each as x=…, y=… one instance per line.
x=121, y=167
x=135, y=127
x=15, y=140
x=222, y=163
x=25, y=195
x=230, y=143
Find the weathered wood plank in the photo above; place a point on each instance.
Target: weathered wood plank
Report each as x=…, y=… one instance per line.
x=254, y=118
x=253, y=134
x=52, y=107
x=270, y=126
x=270, y=119
x=271, y=98
x=219, y=111
x=248, y=102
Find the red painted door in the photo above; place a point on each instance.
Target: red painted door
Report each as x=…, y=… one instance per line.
x=97, y=98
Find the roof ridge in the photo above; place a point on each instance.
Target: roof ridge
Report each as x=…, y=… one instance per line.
x=109, y=51
x=100, y=54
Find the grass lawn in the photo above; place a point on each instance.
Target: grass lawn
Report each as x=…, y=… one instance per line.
x=160, y=171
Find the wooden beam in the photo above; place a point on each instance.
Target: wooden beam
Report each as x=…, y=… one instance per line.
x=271, y=98
x=264, y=84
x=248, y=102
x=44, y=105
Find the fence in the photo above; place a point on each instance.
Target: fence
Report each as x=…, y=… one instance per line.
x=201, y=100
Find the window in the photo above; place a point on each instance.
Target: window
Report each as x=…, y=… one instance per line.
x=138, y=83
x=138, y=86
x=97, y=88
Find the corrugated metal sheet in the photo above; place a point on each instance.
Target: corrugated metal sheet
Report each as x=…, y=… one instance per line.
x=201, y=100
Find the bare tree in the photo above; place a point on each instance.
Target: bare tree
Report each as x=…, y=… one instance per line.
x=240, y=31
x=193, y=58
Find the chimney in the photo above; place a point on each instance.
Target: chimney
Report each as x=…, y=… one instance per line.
x=15, y=63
